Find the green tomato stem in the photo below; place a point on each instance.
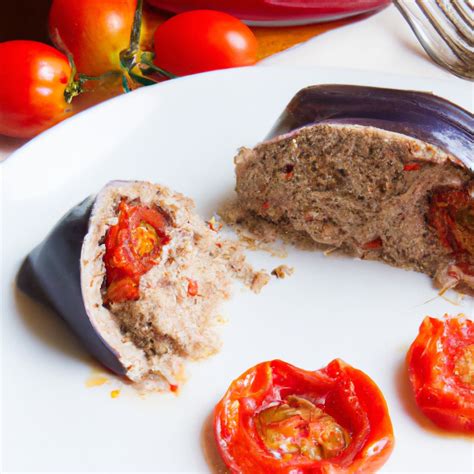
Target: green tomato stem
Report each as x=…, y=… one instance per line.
x=137, y=66
x=74, y=87
x=109, y=74
x=137, y=27
x=146, y=59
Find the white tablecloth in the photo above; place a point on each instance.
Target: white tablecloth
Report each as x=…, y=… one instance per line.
x=381, y=43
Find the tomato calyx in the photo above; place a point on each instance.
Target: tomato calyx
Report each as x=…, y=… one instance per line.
x=137, y=65
x=297, y=427
x=73, y=89
x=77, y=81
x=133, y=246
x=134, y=65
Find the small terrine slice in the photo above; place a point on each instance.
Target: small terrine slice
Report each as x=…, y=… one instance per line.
x=140, y=278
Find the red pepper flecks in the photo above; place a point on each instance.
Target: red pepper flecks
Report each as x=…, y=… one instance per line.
x=265, y=205
x=193, y=288
x=214, y=225
x=288, y=171
x=373, y=244
x=132, y=247
x=412, y=167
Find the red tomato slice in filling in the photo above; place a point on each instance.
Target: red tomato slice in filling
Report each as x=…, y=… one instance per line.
x=132, y=247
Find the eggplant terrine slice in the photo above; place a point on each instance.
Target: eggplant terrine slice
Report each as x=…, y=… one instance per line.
x=139, y=277
x=375, y=173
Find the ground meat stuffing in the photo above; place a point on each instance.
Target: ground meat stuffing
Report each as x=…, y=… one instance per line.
x=259, y=281
x=282, y=271
x=360, y=190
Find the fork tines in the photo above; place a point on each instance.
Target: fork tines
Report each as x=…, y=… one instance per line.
x=445, y=30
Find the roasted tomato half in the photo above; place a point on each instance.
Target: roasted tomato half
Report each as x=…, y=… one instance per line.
x=277, y=418
x=441, y=370
x=132, y=247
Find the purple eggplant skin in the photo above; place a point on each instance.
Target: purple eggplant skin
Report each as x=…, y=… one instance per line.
x=417, y=114
x=51, y=274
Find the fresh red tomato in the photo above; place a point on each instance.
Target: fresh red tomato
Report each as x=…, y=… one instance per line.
x=276, y=418
x=441, y=370
x=132, y=247
x=33, y=79
x=94, y=31
x=203, y=40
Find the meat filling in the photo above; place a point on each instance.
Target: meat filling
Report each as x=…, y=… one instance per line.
x=364, y=191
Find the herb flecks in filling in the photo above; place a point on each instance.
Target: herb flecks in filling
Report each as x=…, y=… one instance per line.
x=297, y=427
x=132, y=247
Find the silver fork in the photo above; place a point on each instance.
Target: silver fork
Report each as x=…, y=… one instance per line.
x=445, y=30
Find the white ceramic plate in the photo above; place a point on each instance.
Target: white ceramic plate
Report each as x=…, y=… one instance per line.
x=184, y=134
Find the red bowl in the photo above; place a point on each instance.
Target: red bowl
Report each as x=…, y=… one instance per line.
x=277, y=12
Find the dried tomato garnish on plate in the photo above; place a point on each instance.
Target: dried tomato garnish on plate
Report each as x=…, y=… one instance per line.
x=441, y=370
x=277, y=418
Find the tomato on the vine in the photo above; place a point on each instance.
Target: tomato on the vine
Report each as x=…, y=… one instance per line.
x=94, y=31
x=276, y=419
x=441, y=370
x=33, y=81
x=203, y=40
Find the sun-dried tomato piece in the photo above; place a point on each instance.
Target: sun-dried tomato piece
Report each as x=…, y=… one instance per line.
x=276, y=418
x=441, y=370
